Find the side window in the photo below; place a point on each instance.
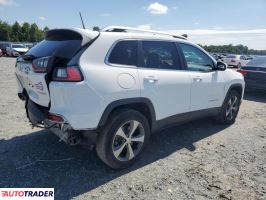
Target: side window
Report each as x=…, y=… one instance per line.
x=160, y=55
x=124, y=53
x=196, y=59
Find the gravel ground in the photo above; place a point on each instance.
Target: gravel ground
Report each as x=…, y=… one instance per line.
x=198, y=160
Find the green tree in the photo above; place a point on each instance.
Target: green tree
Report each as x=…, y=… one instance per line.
x=45, y=29
x=25, y=31
x=5, y=31
x=96, y=28
x=16, y=32
x=34, y=33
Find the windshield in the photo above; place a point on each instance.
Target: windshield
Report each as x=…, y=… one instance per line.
x=18, y=46
x=258, y=62
x=28, y=45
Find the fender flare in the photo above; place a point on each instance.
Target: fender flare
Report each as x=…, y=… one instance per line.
x=128, y=101
x=234, y=85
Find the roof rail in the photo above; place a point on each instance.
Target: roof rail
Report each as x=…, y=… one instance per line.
x=130, y=29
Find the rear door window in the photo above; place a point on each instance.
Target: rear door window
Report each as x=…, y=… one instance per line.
x=124, y=53
x=160, y=55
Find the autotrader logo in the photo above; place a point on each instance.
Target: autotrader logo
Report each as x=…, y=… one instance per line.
x=26, y=193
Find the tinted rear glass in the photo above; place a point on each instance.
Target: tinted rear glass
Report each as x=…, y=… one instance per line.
x=124, y=53
x=160, y=55
x=65, y=49
x=257, y=62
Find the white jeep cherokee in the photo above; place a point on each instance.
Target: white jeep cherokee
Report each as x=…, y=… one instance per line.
x=113, y=88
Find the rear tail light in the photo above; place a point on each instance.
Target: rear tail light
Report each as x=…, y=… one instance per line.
x=55, y=118
x=242, y=71
x=69, y=73
x=40, y=65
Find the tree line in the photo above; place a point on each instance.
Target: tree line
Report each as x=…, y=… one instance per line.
x=231, y=49
x=27, y=32
x=17, y=32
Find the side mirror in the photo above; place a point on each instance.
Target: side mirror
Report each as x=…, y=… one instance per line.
x=220, y=66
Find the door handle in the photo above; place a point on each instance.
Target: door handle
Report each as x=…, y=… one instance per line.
x=197, y=79
x=151, y=79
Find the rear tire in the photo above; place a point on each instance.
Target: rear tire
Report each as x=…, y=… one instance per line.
x=230, y=108
x=122, y=140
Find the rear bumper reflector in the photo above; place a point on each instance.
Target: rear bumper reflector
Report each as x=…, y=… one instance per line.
x=55, y=118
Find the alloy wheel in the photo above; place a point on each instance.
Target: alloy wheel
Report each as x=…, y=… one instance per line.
x=128, y=140
x=232, y=107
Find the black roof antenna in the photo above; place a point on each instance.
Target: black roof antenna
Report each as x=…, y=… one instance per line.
x=82, y=21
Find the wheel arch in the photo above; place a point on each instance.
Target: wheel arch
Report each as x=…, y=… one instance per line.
x=237, y=87
x=141, y=104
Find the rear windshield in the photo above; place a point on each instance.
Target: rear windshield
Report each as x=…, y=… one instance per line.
x=65, y=48
x=231, y=56
x=258, y=62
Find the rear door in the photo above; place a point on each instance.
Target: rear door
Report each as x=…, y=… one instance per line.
x=162, y=79
x=207, y=88
x=34, y=68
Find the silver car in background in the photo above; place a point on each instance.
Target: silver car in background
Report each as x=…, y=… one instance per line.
x=235, y=60
x=16, y=50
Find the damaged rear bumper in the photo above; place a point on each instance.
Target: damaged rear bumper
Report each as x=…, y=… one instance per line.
x=38, y=116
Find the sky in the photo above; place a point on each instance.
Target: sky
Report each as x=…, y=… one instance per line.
x=205, y=21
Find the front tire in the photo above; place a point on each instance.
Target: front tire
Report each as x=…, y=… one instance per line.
x=123, y=139
x=230, y=108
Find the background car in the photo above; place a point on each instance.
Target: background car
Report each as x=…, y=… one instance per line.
x=248, y=57
x=16, y=50
x=215, y=56
x=28, y=45
x=255, y=73
x=3, y=46
x=235, y=60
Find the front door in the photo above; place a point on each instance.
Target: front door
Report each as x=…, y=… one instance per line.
x=207, y=88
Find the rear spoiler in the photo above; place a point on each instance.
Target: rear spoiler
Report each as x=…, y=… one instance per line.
x=71, y=34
